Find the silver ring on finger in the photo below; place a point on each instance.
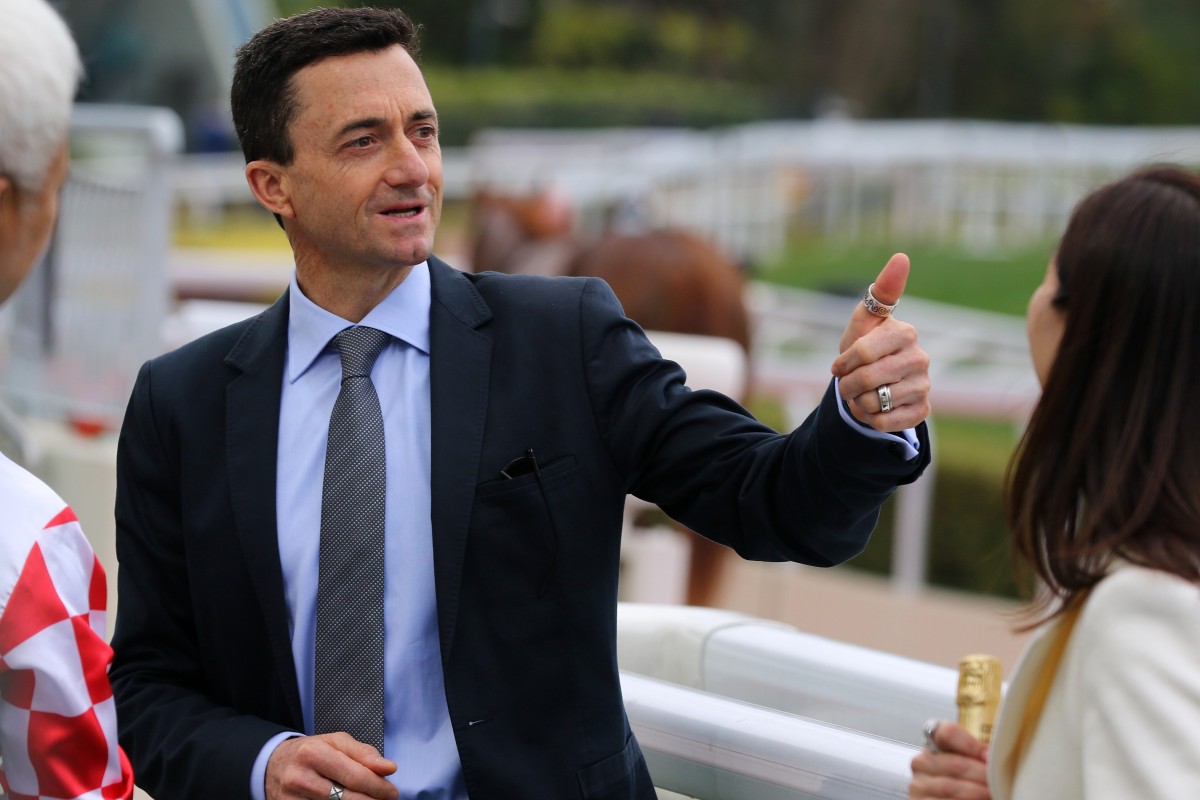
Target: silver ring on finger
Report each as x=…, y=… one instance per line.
x=336, y=792
x=930, y=731
x=875, y=306
x=885, y=398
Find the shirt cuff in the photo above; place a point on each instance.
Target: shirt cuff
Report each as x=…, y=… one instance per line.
x=907, y=438
x=258, y=775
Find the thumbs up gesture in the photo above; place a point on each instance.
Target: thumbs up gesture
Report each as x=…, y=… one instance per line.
x=883, y=373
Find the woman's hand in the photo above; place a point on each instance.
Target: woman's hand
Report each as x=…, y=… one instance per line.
x=953, y=765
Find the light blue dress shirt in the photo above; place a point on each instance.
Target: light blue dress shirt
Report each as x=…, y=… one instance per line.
x=417, y=730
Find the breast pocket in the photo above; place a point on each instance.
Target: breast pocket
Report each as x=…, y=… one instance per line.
x=515, y=531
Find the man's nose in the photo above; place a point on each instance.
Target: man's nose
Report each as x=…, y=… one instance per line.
x=406, y=166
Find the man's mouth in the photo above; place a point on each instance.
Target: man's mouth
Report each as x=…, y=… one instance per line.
x=402, y=212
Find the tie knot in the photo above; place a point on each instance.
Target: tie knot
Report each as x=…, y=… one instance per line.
x=359, y=347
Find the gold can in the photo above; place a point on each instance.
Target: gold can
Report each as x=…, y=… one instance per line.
x=979, y=687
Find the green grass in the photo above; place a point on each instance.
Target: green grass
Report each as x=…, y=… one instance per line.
x=944, y=273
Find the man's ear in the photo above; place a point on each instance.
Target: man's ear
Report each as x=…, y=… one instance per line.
x=268, y=181
x=6, y=186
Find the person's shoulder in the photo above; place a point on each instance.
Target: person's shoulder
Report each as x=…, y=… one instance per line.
x=505, y=293
x=1136, y=610
x=1132, y=589
x=524, y=285
x=554, y=300
x=20, y=488
x=29, y=506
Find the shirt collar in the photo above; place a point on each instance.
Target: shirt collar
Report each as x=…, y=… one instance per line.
x=403, y=314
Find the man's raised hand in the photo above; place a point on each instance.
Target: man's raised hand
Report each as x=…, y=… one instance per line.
x=881, y=366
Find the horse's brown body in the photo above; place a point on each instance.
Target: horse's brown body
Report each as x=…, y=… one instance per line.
x=670, y=280
x=666, y=279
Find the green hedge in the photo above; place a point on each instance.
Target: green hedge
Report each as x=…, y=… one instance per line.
x=968, y=541
x=968, y=538
x=1000, y=282
x=469, y=100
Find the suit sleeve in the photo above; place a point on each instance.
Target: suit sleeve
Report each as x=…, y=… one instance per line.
x=182, y=744
x=811, y=496
x=1139, y=697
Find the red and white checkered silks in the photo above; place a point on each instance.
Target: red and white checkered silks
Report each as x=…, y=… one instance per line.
x=58, y=723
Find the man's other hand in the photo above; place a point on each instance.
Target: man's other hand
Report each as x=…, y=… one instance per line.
x=307, y=767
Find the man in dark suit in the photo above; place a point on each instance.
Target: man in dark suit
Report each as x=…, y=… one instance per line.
x=518, y=413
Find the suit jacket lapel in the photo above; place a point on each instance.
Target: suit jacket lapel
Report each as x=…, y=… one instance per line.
x=459, y=365
x=252, y=443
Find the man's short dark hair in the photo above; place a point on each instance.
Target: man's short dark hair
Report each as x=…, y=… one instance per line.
x=263, y=97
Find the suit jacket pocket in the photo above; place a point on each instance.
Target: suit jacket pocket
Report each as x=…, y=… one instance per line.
x=551, y=471
x=513, y=545
x=622, y=776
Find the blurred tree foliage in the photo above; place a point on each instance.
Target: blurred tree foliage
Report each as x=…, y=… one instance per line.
x=1093, y=61
x=472, y=98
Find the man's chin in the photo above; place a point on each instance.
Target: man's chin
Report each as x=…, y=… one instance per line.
x=411, y=256
x=407, y=261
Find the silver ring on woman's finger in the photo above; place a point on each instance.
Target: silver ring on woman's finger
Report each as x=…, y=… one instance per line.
x=874, y=306
x=885, y=398
x=931, y=727
x=336, y=792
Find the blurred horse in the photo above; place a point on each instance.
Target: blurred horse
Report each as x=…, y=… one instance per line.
x=666, y=279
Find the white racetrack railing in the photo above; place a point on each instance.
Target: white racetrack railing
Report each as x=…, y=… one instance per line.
x=88, y=317
x=709, y=747
x=775, y=665
x=730, y=706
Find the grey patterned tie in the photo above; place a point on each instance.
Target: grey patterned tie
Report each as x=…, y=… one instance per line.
x=348, y=677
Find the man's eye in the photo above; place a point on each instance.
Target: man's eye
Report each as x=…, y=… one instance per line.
x=427, y=132
x=362, y=141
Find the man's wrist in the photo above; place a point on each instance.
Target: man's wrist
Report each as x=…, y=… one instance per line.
x=906, y=440
x=258, y=774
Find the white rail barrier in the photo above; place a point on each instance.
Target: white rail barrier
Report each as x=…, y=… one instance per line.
x=88, y=316
x=985, y=185
x=776, y=666
x=714, y=748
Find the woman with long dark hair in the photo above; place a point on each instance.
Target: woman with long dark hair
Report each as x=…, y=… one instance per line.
x=1103, y=499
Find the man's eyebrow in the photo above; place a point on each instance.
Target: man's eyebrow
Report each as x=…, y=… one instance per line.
x=367, y=123
x=359, y=124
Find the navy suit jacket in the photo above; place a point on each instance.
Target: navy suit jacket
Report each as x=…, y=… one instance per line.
x=526, y=568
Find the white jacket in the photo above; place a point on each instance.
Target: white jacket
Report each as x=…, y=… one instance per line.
x=1122, y=718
